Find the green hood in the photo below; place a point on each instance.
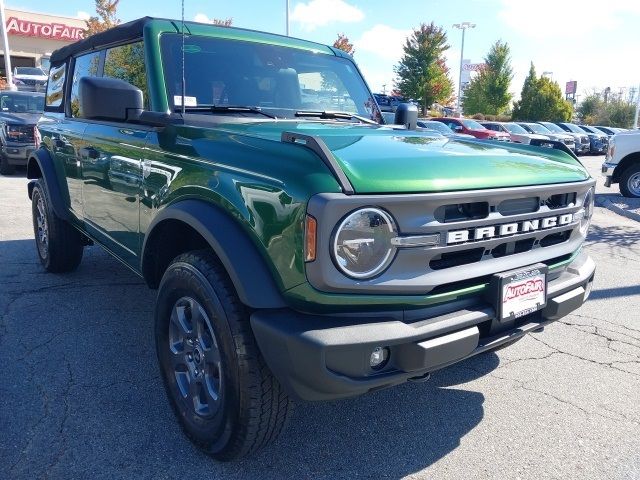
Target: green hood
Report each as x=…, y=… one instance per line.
x=383, y=160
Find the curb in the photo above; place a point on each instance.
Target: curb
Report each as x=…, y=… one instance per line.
x=609, y=205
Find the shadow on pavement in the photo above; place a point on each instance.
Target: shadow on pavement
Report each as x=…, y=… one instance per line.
x=613, y=236
x=83, y=396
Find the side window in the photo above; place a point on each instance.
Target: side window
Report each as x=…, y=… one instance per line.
x=126, y=62
x=55, y=87
x=85, y=66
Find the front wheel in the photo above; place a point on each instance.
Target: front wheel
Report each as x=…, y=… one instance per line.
x=630, y=182
x=226, y=399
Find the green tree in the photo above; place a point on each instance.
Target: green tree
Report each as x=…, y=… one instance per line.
x=105, y=17
x=541, y=99
x=422, y=72
x=488, y=92
x=589, y=107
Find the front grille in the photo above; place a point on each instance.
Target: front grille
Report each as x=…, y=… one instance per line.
x=480, y=232
x=20, y=133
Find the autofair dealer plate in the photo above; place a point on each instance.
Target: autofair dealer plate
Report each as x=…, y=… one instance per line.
x=520, y=292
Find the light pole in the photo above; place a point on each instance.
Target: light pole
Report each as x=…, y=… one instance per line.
x=462, y=26
x=7, y=50
x=287, y=18
x=635, y=117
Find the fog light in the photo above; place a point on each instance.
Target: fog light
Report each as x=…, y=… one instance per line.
x=379, y=357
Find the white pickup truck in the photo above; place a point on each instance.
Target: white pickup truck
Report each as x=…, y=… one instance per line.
x=622, y=163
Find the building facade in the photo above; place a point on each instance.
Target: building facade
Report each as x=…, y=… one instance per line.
x=33, y=36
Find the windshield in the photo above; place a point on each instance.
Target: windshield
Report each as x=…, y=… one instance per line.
x=537, y=128
x=472, y=125
x=553, y=127
x=573, y=128
x=437, y=126
x=587, y=129
x=29, y=71
x=514, y=128
x=278, y=80
x=16, y=103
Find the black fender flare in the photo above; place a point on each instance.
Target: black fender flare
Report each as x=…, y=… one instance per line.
x=40, y=164
x=240, y=257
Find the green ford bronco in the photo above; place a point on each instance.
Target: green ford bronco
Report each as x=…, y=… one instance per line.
x=300, y=248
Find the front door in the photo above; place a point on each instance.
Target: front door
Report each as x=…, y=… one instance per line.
x=111, y=161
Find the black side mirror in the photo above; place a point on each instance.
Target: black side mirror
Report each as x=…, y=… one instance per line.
x=102, y=98
x=407, y=115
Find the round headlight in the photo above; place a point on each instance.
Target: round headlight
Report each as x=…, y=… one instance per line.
x=362, y=243
x=587, y=211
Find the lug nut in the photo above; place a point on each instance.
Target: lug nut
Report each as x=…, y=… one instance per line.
x=189, y=357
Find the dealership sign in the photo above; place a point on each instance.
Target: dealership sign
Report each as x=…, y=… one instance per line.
x=54, y=31
x=571, y=87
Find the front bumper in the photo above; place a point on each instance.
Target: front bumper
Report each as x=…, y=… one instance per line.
x=607, y=173
x=18, y=154
x=319, y=357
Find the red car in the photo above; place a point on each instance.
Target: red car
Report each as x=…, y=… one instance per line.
x=471, y=127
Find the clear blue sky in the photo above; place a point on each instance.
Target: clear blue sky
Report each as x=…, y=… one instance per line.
x=592, y=42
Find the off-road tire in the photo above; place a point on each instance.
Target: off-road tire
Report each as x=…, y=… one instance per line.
x=5, y=167
x=630, y=174
x=251, y=408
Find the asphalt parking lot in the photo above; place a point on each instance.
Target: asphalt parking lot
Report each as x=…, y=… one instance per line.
x=81, y=397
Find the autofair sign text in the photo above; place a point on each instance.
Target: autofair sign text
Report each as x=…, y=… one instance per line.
x=56, y=31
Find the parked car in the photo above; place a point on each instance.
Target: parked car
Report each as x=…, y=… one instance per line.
x=29, y=79
x=516, y=133
x=622, y=163
x=441, y=128
x=19, y=114
x=580, y=139
x=538, y=129
x=595, y=141
x=471, y=127
x=599, y=140
x=296, y=253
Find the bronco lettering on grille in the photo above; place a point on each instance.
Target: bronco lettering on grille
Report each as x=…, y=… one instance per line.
x=488, y=232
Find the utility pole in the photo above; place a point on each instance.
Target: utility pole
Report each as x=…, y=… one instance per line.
x=287, y=18
x=5, y=46
x=635, y=118
x=462, y=26
x=384, y=88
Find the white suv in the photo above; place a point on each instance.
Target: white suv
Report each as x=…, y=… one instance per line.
x=622, y=163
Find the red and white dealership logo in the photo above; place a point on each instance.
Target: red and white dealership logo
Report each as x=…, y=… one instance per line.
x=522, y=289
x=55, y=31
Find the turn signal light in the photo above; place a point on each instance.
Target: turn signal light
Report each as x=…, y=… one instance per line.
x=310, y=238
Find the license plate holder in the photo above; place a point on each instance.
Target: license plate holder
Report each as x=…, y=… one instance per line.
x=519, y=292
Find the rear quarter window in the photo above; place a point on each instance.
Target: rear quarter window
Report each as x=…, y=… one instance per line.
x=55, y=88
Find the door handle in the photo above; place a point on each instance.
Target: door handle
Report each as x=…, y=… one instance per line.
x=89, y=152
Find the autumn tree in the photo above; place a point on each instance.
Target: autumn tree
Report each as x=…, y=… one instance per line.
x=342, y=43
x=422, y=72
x=105, y=17
x=488, y=91
x=541, y=99
x=222, y=22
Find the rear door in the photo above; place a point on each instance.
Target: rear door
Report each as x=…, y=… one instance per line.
x=62, y=131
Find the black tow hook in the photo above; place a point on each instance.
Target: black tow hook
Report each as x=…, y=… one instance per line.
x=421, y=378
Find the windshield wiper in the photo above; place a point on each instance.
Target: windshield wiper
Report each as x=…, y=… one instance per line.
x=332, y=115
x=224, y=109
